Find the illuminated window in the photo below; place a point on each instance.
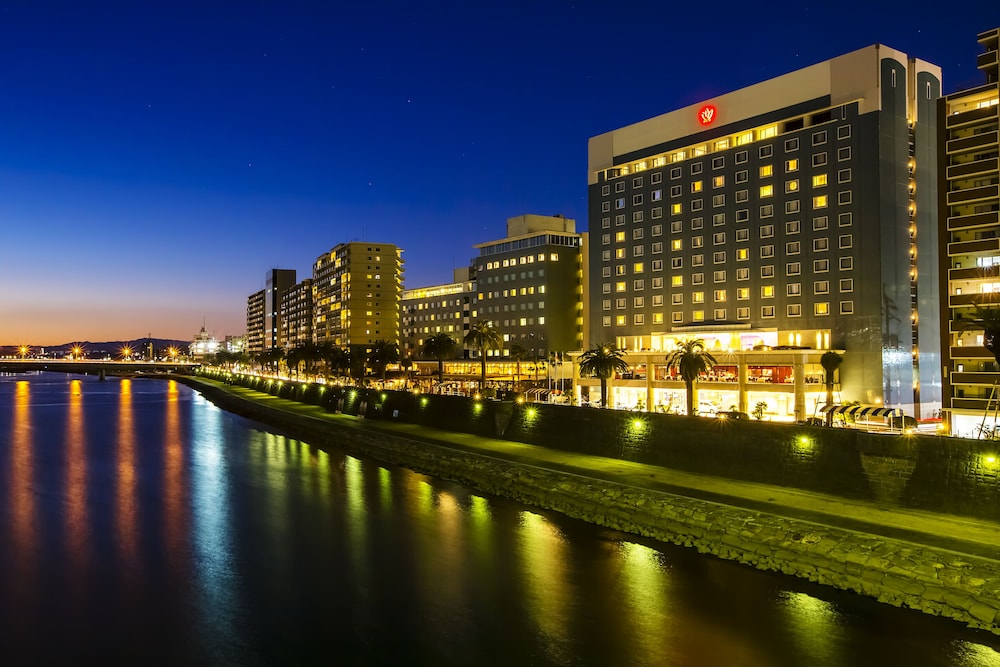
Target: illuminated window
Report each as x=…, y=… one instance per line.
x=819, y=201
x=677, y=281
x=620, y=320
x=742, y=254
x=619, y=253
x=767, y=132
x=675, y=209
x=718, y=181
x=765, y=171
x=821, y=308
x=620, y=286
x=619, y=237
x=698, y=151
x=637, y=267
x=698, y=316
x=720, y=295
x=742, y=293
x=767, y=291
x=657, y=318
x=766, y=191
x=791, y=165
x=721, y=144
x=819, y=180
x=698, y=297
x=677, y=244
x=743, y=139
x=792, y=186
x=696, y=186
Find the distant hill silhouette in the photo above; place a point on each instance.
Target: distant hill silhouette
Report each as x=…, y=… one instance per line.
x=111, y=348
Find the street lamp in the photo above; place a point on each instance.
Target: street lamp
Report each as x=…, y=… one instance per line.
x=23, y=350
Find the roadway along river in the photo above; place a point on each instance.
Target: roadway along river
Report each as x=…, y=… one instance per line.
x=140, y=524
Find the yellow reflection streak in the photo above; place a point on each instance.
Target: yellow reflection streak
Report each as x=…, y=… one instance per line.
x=814, y=625
x=76, y=477
x=543, y=551
x=125, y=505
x=173, y=471
x=646, y=594
x=22, y=497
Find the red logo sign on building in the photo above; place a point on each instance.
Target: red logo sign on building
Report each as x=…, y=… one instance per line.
x=706, y=115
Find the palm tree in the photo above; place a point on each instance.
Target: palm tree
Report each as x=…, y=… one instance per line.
x=337, y=359
x=440, y=346
x=987, y=319
x=602, y=361
x=830, y=361
x=380, y=355
x=482, y=338
x=292, y=359
x=517, y=352
x=406, y=364
x=691, y=359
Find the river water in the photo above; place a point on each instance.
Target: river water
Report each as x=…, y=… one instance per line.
x=141, y=524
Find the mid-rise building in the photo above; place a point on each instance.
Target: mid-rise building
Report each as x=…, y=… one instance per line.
x=297, y=315
x=435, y=309
x=794, y=213
x=357, y=289
x=255, y=323
x=530, y=284
x=276, y=283
x=970, y=233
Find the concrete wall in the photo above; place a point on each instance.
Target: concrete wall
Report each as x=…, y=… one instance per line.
x=937, y=474
x=935, y=581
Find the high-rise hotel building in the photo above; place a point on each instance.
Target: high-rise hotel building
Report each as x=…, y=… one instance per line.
x=357, y=288
x=970, y=232
x=787, y=218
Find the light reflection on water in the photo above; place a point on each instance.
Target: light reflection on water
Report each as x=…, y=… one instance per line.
x=143, y=523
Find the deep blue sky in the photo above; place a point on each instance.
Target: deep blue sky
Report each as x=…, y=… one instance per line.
x=157, y=158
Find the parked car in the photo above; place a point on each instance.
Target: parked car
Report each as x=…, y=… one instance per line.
x=732, y=414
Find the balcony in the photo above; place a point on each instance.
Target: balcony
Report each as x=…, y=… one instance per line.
x=960, y=222
x=974, y=273
x=982, y=298
x=971, y=116
x=975, y=142
x=985, y=60
x=973, y=247
x=972, y=168
x=969, y=195
x=969, y=352
x=979, y=379
x=977, y=404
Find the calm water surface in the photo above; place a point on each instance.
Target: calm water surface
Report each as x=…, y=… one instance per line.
x=139, y=523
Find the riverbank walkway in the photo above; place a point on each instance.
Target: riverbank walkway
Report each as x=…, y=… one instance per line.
x=961, y=535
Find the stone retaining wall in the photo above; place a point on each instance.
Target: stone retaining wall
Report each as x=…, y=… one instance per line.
x=935, y=581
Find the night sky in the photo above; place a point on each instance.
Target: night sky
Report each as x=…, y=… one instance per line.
x=157, y=158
